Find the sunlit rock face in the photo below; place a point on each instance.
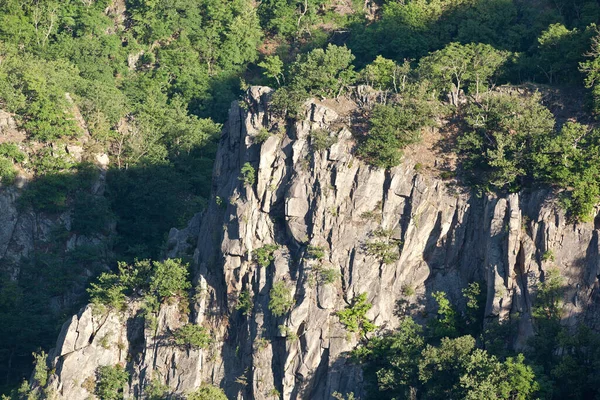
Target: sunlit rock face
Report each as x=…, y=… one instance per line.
x=308, y=200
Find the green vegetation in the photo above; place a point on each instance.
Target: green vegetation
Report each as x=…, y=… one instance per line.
x=354, y=316
x=150, y=86
x=384, y=247
x=207, y=392
x=315, y=252
x=280, y=299
x=264, y=255
x=248, y=174
x=245, y=302
x=321, y=139
x=157, y=281
x=193, y=336
x=110, y=381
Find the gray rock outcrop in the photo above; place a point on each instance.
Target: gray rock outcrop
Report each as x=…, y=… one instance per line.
x=436, y=237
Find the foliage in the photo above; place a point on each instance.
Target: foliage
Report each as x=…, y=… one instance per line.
x=323, y=72
x=354, y=317
x=248, y=174
x=193, y=336
x=402, y=365
x=393, y=127
x=207, y=392
x=384, y=247
x=315, y=252
x=504, y=133
x=280, y=299
x=9, y=154
x=262, y=135
x=264, y=255
x=40, y=372
x=322, y=140
x=273, y=68
x=245, y=303
x=110, y=381
x=157, y=280
x=457, y=67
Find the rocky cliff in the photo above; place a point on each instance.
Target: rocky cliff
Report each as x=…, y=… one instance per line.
x=395, y=235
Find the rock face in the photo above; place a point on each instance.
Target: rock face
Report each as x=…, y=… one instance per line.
x=308, y=201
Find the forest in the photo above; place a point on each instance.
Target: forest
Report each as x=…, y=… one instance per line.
x=150, y=83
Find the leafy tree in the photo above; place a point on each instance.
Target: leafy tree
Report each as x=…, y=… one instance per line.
x=392, y=359
x=110, y=381
x=354, y=316
x=280, y=299
x=194, y=336
x=457, y=67
x=323, y=72
x=385, y=74
x=502, y=137
x=273, y=67
x=207, y=392
x=393, y=127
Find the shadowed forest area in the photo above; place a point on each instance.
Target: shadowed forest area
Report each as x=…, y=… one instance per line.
x=149, y=84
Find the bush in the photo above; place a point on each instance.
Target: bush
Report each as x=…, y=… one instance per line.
x=193, y=336
x=392, y=128
x=264, y=255
x=248, y=174
x=262, y=135
x=316, y=252
x=321, y=140
x=354, y=317
x=157, y=280
x=280, y=299
x=323, y=72
x=207, y=392
x=245, y=303
x=110, y=381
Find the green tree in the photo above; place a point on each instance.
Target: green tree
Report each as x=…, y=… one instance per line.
x=280, y=299
x=457, y=67
x=354, y=317
x=273, y=67
x=207, y=392
x=393, y=127
x=110, y=381
x=323, y=72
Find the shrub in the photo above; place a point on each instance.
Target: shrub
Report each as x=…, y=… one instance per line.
x=40, y=372
x=322, y=140
x=193, y=336
x=207, y=392
x=157, y=280
x=110, y=381
x=262, y=135
x=280, y=299
x=245, y=302
x=354, y=316
x=392, y=128
x=248, y=174
x=264, y=255
x=316, y=252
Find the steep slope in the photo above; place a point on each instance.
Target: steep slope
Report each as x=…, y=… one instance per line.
x=325, y=211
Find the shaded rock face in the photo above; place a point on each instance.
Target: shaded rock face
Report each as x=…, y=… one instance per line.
x=435, y=238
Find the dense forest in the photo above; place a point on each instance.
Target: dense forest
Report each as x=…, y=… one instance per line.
x=149, y=83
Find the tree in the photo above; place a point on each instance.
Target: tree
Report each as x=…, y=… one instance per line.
x=456, y=67
x=504, y=134
x=280, y=299
x=273, y=67
x=393, y=127
x=207, y=392
x=323, y=72
x=110, y=381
